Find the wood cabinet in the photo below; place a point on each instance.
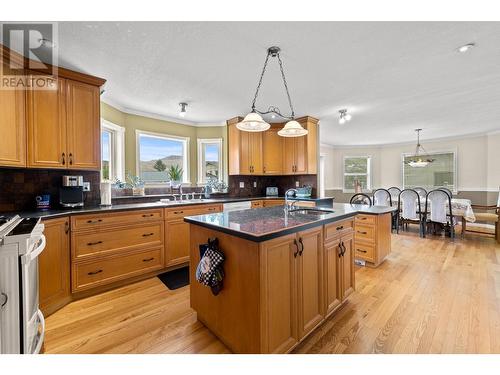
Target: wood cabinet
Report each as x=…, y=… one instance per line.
x=267, y=153
x=12, y=120
x=372, y=238
x=272, y=146
x=177, y=231
x=54, y=266
x=273, y=202
x=257, y=204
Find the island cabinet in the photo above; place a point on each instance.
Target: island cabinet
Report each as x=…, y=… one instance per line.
x=275, y=292
x=372, y=238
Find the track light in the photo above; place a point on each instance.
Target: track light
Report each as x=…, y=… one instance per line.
x=182, y=113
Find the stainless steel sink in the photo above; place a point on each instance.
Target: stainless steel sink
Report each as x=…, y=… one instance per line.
x=310, y=211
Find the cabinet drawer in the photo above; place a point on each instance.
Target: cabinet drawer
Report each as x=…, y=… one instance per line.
x=81, y=222
x=274, y=202
x=101, y=242
x=179, y=212
x=365, y=232
x=306, y=203
x=91, y=274
x=365, y=219
x=335, y=230
x=257, y=204
x=364, y=251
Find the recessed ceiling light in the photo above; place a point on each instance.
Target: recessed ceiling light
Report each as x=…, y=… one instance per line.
x=466, y=47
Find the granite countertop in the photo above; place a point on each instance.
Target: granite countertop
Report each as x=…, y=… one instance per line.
x=61, y=212
x=263, y=224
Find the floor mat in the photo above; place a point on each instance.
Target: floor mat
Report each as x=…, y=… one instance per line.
x=175, y=279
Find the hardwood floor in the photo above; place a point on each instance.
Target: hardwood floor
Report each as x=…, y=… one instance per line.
x=431, y=295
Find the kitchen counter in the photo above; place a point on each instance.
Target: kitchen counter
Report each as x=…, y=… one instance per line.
x=266, y=223
x=60, y=212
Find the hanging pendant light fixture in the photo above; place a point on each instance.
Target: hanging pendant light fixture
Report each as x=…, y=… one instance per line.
x=253, y=122
x=419, y=160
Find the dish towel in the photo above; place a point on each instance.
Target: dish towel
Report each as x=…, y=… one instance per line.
x=210, y=271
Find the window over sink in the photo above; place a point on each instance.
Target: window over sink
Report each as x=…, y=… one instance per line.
x=157, y=153
x=112, y=151
x=357, y=168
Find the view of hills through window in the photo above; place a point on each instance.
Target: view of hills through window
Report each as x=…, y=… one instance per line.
x=211, y=161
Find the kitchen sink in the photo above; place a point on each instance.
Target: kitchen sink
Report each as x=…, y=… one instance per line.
x=184, y=201
x=310, y=211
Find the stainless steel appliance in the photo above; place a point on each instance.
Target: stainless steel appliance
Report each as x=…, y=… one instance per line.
x=271, y=191
x=71, y=191
x=22, y=325
x=236, y=206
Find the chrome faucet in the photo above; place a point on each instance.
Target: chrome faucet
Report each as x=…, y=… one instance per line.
x=289, y=205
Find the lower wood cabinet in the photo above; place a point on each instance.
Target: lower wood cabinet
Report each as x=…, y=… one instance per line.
x=273, y=202
x=372, y=238
x=54, y=266
x=257, y=204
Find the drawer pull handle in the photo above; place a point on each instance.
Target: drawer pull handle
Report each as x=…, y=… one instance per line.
x=340, y=228
x=211, y=209
x=147, y=215
x=94, y=221
x=148, y=259
x=94, y=243
x=362, y=218
x=94, y=272
x=178, y=212
x=147, y=234
x=361, y=251
x=361, y=232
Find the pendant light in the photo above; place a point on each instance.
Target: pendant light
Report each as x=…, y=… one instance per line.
x=418, y=160
x=253, y=122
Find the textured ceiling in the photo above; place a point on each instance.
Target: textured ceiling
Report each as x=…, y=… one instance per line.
x=392, y=76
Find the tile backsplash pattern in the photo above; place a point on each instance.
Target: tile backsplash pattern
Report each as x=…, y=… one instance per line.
x=19, y=187
x=281, y=182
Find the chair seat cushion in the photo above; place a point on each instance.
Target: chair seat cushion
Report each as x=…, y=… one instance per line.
x=483, y=216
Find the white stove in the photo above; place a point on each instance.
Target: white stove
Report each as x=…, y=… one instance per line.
x=22, y=325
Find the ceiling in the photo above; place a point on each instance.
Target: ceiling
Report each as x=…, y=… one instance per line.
x=393, y=77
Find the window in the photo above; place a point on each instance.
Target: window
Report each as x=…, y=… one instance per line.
x=440, y=173
x=158, y=153
x=112, y=151
x=357, y=168
x=209, y=159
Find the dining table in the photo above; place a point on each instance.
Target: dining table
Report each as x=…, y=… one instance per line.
x=460, y=208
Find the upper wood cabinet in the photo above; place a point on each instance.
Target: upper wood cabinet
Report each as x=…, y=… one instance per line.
x=12, y=121
x=267, y=153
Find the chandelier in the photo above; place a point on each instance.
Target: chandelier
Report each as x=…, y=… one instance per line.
x=419, y=159
x=253, y=122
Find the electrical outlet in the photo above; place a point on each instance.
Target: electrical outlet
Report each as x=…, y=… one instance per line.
x=242, y=184
x=255, y=184
x=297, y=184
x=86, y=186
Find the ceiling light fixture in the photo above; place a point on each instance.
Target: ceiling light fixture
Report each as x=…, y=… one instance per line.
x=183, y=106
x=466, y=47
x=344, y=116
x=253, y=122
x=418, y=160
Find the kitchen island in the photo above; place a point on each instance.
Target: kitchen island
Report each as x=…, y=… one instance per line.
x=284, y=272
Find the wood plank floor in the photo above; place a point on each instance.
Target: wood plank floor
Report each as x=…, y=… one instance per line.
x=431, y=295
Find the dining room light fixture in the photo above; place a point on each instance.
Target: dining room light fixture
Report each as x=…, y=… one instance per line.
x=344, y=116
x=253, y=122
x=419, y=159
x=183, y=112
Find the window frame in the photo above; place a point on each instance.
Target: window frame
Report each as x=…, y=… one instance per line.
x=186, y=140
x=368, y=173
x=200, y=156
x=448, y=151
x=117, y=150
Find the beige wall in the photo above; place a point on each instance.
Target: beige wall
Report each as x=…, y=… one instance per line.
x=478, y=162
x=131, y=123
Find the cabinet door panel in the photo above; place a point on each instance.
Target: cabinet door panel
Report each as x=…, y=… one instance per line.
x=256, y=152
x=288, y=155
x=310, y=280
x=301, y=155
x=332, y=271
x=278, y=300
x=47, y=127
x=13, y=139
x=176, y=242
x=348, y=266
x=54, y=263
x=245, y=150
x=83, y=126
x=272, y=149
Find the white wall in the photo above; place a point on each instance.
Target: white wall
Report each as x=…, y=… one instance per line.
x=478, y=162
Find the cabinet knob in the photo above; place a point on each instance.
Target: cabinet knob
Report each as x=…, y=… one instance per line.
x=340, y=228
x=301, y=246
x=295, y=253
x=70, y=159
x=66, y=227
x=94, y=221
x=147, y=215
x=178, y=212
x=63, y=158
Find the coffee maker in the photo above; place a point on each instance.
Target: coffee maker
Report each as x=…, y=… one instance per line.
x=71, y=191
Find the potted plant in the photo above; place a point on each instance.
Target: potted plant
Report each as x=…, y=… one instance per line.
x=137, y=184
x=175, y=176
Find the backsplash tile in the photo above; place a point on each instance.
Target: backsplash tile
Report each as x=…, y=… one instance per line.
x=283, y=183
x=19, y=187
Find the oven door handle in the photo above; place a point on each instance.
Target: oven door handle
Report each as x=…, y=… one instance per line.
x=26, y=259
x=41, y=337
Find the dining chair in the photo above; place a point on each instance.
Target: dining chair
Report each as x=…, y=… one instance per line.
x=394, y=191
x=438, y=211
x=448, y=191
x=361, y=198
x=421, y=192
x=382, y=197
x=410, y=210
x=487, y=217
